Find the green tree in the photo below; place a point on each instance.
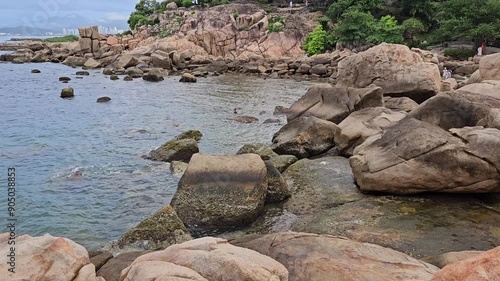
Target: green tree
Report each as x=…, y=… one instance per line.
x=354, y=27
x=316, y=41
x=387, y=30
x=473, y=19
x=413, y=27
x=136, y=20
x=339, y=7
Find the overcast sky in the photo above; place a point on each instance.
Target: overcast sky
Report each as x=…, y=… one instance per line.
x=21, y=12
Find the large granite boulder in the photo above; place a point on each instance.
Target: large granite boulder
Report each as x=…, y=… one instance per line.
x=314, y=257
x=400, y=104
x=159, y=231
x=126, y=61
x=161, y=59
x=488, y=87
x=75, y=61
x=395, y=68
x=220, y=192
x=483, y=267
x=489, y=67
x=334, y=103
x=362, y=124
x=305, y=137
x=45, y=258
x=205, y=259
x=459, y=109
x=415, y=156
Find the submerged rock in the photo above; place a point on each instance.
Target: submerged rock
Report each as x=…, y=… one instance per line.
x=245, y=119
x=82, y=73
x=67, y=93
x=35, y=71
x=205, y=259
x=103, y=99
x=159, y=231
x=62, y=79
x=128, y=78
x=114, y=77
x=178, y=167
x=187, y=77
x=220, y=192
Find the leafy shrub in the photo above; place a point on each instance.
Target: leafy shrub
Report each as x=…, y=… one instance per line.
x=214, y=3
x=268, y=10
x=354, y=27
x=136, y=20
x=67, y=38
x=224, y=2
x=236, y=15
x=186, y=3
x=276, y=24
x=316, y=41
x=459, y=53
x=387, y=30
x=324, y=22
x=243, y=27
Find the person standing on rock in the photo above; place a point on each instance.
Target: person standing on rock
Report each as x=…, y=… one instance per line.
x=480, y=51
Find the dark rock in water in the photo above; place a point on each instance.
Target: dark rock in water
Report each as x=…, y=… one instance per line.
x=82, y=73
x=159, y=231
x=236, y=110
x=180, y=148
x=100, y=259
x=67, y=93
x=277, y=188
x=103, y=99
x=280, y=110
x=136, y=76
x=245, y=119
x=264, y=151
x=187, y=77
x=35, y=71
x=305, y=137
x=271, y=121
x=55, y=61
x=64, y=79
x=111, y=271
x=114, y=77
x=128, y=78
x=151, y=77
x=108, y=71
x=79, y=77
x=221, y=192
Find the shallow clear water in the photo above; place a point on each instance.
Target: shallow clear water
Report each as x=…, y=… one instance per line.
x=48, y=139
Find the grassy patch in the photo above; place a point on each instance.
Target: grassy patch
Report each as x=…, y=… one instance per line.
x=67, y=38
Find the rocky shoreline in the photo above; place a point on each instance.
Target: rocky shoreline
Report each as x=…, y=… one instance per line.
x=386, y=172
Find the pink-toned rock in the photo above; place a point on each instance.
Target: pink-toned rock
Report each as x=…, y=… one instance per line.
x=483, y=267
x=112, y=40
x=132, y=44
x=451, y=257
x=313, y=257
x=394, y=68
x=208, y=259
x=47, y=258
x=489, y=67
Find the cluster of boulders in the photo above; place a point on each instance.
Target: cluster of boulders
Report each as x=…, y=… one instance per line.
x=279, y=256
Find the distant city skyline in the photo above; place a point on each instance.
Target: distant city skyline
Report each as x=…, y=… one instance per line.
x=52, y=14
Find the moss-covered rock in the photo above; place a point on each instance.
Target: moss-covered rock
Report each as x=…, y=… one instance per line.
x=277, y=188
x=282, y=162
x=67, y=93
x=178, y=168
x=175, y=150
x=159, y=231
x=191, y=134
x=114, y=77
x=264, y=151
x=221, y=192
